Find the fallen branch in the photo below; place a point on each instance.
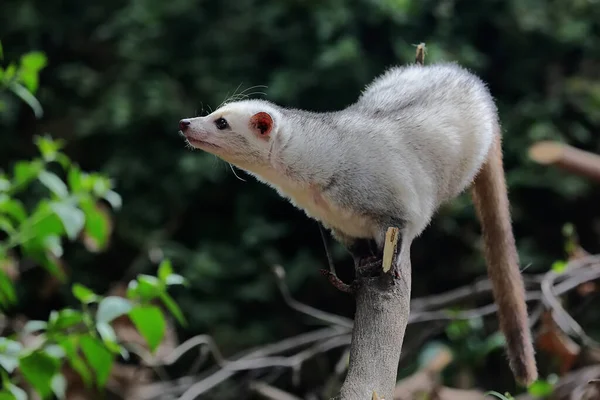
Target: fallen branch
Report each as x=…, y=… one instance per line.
x=270, y=393
x=193, y=387
x=431, y=309
x=566, y=157
x=560, y=315
x=425, y=383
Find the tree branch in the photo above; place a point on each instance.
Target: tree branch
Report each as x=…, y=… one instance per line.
x=567, y=157
x=382, y=310
x=270, y=393
x=306, y=346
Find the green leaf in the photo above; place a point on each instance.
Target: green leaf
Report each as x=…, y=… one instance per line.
x=540, y=388
x=17, y=392
x=496, y=394
x=63, y=160
x=164, y=270
x=64, y=319
x=50, y=265
x=83, y=294
x=13, y=208
x=39, y=368
x=173, y=308
x=114, y=199
x=28, y=98
x=9, y=354
x=34, y=326
x=54, y=183
x=101, y=184
x=6, y=395
x=99, y=358
x=559, y=266
x=69, y=344
x=112, y=307
x=96, y=223
x=1, y=51
x=71, y=217
x=132, y=289
x=59, y=386
x=109, y=337
x=34, y=60
x=124, y=353
x=74, y=179
x=6, y=288
x=146, y=287
x=79, y=365
x=55, y=351
x=7, y=226
x=31, y=64
x=26, y=171
x=42, y=222
x=175, y=279
x=49, y=149
x=4, y=184
x=53, y=245
x=107, y=333
x=10, y=72
x=494, y=342
x=150, y=323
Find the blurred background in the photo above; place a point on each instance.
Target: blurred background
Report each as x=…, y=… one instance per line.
x=120, y=74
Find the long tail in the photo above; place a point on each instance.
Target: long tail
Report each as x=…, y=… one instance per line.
x=491, y=202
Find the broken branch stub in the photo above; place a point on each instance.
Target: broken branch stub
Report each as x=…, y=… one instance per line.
x=569, y=158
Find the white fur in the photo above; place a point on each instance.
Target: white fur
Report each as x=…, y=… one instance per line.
x=415, y=138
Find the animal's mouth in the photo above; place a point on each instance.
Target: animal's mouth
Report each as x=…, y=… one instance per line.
x=201, y=144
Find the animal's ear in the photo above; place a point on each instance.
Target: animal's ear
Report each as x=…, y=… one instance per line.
x=261, y=124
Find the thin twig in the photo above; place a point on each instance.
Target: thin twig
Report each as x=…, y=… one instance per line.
x=474, y=290
x=204, y=385
x=429, y=309
x=329, y=318
x=271, y=393
x=559, y=314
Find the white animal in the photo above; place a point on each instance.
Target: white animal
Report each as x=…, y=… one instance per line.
x=417, y=137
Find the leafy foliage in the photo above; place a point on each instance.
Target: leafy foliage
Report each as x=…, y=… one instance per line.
x=69, y=210
x=83, y=339
x=22, y=78
x=120, y=76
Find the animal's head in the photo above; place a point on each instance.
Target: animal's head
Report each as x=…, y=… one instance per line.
x=241, y=132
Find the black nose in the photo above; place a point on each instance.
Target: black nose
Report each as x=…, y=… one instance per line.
x=183, y=124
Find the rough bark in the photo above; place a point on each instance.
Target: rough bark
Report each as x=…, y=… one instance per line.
x=382, y=310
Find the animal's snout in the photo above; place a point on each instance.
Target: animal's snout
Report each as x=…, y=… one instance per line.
x=184, y=124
